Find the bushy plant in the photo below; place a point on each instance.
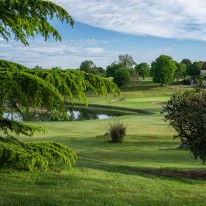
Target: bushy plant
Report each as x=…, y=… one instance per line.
x=187, y=114
x=117, y=131
x=32, y=156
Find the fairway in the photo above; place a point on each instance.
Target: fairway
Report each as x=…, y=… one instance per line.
x=145, y=169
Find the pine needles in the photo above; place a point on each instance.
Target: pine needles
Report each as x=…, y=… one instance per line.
x=31, y=156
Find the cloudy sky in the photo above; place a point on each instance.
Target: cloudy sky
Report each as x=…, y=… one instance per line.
x=106, y=28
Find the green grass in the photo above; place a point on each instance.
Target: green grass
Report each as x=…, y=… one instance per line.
x=107, y=173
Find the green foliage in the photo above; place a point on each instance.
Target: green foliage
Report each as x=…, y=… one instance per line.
x=187, y=114
x=117, y=131
x=126, y=61
x=194, y=69
x=22, y=88
x=100, y=71
x=187, y=62
x=121, y=77
x=87, y=66
x=111, y=69
x=163, y=70
x=143, y=70
x=19, y=128
x=180, y=71
x=34, y=156
x=31, y=17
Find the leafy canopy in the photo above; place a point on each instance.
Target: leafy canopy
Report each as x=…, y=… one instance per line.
x=22, y=89
x=25, y=18
x=163, y=69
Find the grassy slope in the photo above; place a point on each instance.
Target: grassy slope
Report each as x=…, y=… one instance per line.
x=106, y=173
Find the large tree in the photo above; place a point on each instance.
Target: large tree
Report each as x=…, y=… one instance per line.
x=22, y=88
x=163, y=69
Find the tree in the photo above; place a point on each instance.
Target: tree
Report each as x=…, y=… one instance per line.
x=87, y=66
x=180, y=71
x=126, y=61
x=111, y=69
x=187, y=62
x=22, y=88
x=186, y=113
x=194, y=69
x=28, y=18
x=163, y=69
x=143, y=70
x=100, y=71
x=121, y=77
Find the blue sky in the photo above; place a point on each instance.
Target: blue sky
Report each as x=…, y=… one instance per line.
x=104, y=29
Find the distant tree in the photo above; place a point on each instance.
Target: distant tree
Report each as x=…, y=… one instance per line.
x=111, y=69
x=126, y=60
x=151, y=69
x=143, y=70
x=180, y=71
x=87, y=66
x=194, y=69
x=38, y=67
x=187, y=62
x=100, y=71
x=121, y=77
x=163, y=69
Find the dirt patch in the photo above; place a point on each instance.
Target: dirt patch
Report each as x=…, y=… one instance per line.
x=117, y=100
x=191, y=174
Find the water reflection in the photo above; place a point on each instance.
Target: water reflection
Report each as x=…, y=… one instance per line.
x=74, y=115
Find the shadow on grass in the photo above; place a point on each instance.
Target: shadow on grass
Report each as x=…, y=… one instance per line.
x=183, y=175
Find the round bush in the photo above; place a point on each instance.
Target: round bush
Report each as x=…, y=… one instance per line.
x=117, y=131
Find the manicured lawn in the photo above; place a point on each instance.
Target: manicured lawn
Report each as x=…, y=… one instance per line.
x=138, y=171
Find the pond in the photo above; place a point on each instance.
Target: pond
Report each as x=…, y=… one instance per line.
x=77, y=114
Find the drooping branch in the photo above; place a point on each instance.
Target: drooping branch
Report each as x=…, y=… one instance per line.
x=25, y=18
x=22, y=88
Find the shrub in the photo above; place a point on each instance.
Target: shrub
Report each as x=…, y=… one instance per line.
x=187, y=114
x=32, y=156
x=117, y=131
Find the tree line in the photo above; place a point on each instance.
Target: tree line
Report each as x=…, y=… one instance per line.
x=163, y=69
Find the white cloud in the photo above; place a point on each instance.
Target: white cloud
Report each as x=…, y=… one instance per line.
x=179, y=19
x=68, y=54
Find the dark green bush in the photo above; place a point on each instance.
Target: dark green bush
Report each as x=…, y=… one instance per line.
x=117, y=131
x=186, y=113
x=32, y=156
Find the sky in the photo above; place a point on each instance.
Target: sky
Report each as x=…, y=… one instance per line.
x=104, y=29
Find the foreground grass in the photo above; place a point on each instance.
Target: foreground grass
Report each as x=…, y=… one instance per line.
x=108, y=173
